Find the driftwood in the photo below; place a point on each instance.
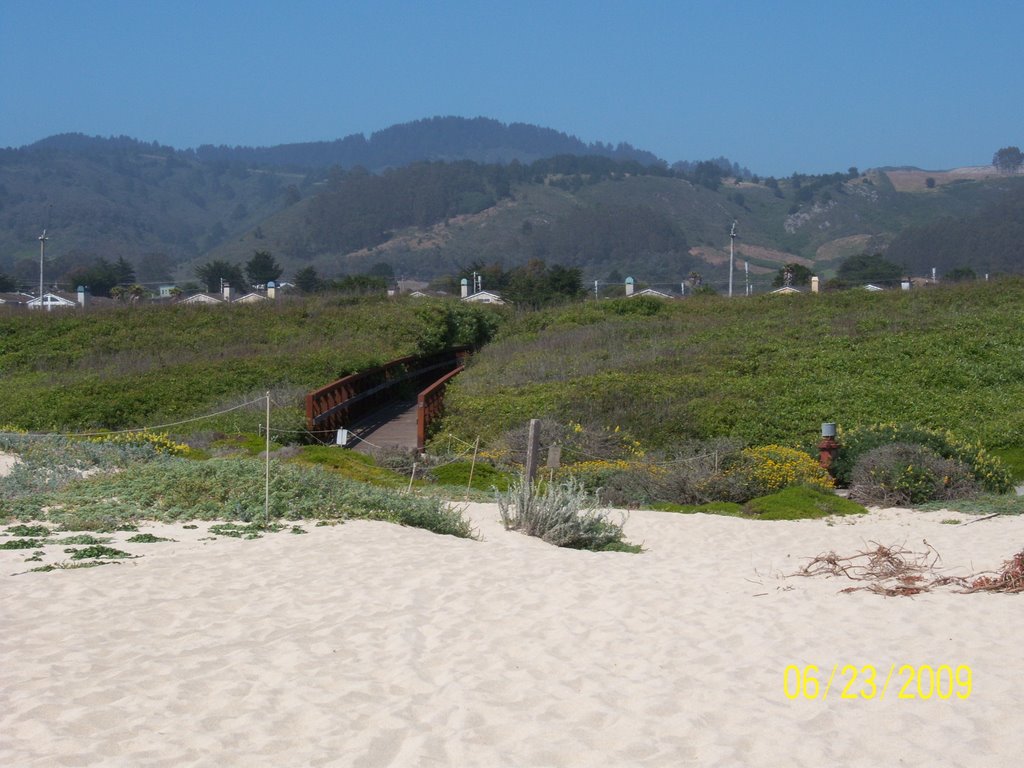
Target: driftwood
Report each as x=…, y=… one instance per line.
x=898, y=572
x=1009, y=579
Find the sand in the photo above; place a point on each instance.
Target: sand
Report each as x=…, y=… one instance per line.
x=7, y=462
x=367, y=644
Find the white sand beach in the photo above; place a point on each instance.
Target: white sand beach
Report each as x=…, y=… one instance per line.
x=367, y=644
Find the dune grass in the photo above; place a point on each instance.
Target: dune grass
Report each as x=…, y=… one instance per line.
x=767, y=369
x=143, y=366
x=168, y=488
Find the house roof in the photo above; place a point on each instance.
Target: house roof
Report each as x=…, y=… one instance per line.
x=485, y=297
x=653, y=292
x=787, y=289
x=202, y=298
x=53, y=299
x=14, y=298
x=250, y=298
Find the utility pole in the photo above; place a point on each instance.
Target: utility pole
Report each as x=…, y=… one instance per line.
x=732, y=247
x=42, y=257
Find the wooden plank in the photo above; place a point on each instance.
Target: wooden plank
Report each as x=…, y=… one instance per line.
x=393, y=426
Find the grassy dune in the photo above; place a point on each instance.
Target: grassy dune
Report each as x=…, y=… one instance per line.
x=766, y=369
x=141, y=366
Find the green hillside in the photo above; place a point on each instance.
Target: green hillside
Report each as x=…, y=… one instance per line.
x=766, y=369
x=142, y=366
x=152, y=205
x=429, y=213
x=817, y=223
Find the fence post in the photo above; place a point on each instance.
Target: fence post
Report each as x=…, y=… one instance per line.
x=411, y=478
x=532, y=450
x=472, y=467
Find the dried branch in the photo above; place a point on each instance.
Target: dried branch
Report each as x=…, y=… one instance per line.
x=898, y=572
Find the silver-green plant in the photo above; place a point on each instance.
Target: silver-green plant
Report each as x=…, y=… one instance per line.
x=564, y=514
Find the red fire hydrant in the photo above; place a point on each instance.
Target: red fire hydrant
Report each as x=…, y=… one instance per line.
x=828, y=447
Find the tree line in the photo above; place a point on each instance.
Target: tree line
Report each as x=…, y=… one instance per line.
x=990, y=241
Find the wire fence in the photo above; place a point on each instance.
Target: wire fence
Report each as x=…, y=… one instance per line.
x=402, y=461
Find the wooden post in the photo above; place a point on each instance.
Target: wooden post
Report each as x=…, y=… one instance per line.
x=472, y=467
x=266, y=487
x=532, y=450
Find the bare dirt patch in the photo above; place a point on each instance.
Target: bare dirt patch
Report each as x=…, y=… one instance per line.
x=843, y=246
x=769, y=254
x=917, y=180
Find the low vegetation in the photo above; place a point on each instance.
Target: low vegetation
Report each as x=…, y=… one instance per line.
x=164, y=487
x=981, y=466
x=903, y=474
x=764, y=370
x=792, y=503
x=563, y=514
x=637, y=393
x=800, y=502
x=145, y=366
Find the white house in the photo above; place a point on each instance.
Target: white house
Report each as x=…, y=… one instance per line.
x=652, y=293
x=484, y=297
x=481, y=296
x=202, y=298
x=226, y=296
x=51, y=301
x=250, y=298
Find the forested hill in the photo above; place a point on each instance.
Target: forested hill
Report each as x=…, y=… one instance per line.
x=991, y=240
x=347, y=207
x=437, y=138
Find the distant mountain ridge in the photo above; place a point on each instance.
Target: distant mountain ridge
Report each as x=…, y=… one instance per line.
x=431, y=196
x=479, y=139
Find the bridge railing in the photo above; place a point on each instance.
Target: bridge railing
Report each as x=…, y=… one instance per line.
x=430, y=405
x=347, y=400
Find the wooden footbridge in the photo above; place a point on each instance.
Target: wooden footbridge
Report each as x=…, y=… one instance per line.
x=389, y=406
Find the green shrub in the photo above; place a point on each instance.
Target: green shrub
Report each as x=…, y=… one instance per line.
x=986, y=468
x=800, y=502
x=563, y=514
x=765, y=469
x=905, y=473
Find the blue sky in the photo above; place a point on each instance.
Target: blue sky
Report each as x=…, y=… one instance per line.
x=777, y=86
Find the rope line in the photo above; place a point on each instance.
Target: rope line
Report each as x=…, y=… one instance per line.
x=134, y=429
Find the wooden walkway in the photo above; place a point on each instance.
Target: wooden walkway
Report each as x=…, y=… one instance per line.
x=392, y=427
